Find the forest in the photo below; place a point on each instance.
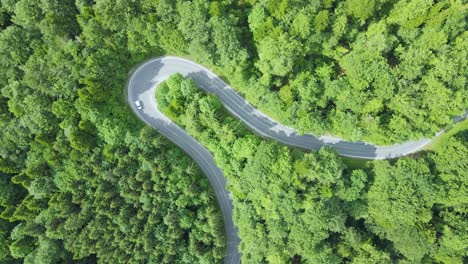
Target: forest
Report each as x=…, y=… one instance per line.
x=82, y=180
x=313, y=208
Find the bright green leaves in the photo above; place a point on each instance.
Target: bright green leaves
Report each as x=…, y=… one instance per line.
x=339, y=27
x=27, y=14
x=301, y=25
x=171, y=92
x=378, y=53
x=353, y=187
x=171, y=39
x=277, y=55
x=454, y=237
x=410, y=13
x=418, y=204
x=232, y=56
x=64, y=64
x=400, y=202
x=323, y=167
x=451, y=163
x=394, y=192
x=360, y=9
x=365, y=65
x=195, y=27
x=383, y=71
x=321, y=20
x=287, y=203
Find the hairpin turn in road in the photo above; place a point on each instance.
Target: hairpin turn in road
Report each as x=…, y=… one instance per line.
x=141, y=97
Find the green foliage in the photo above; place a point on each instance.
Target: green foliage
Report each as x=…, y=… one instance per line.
x=22, y=247
x=442, y=140
x=277, y=54
x=410, y=13
x=290, y=204
x=82, y=181
x=379, y=56
x=360, y=9
x=321, y=20
x=406, y=194
x=271, y=196
x=367, y=60
x=419, y=204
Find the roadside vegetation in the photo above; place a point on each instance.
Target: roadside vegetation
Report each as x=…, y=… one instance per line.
x=380, y=71
x=311, y=207
x=444, y=138
x=82, y=180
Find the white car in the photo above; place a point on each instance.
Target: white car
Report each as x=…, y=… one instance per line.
x=138, y=104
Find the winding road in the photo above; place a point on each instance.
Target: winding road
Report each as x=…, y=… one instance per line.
x=143, y=83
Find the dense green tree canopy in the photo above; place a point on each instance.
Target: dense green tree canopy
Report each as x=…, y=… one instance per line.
x=284, y=199
x=424, y=201
x=82, y=180
x=292, y=206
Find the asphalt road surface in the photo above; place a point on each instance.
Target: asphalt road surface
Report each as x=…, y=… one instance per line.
x=142, y=85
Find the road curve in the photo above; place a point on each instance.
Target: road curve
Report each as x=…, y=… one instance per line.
x=142, y=85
